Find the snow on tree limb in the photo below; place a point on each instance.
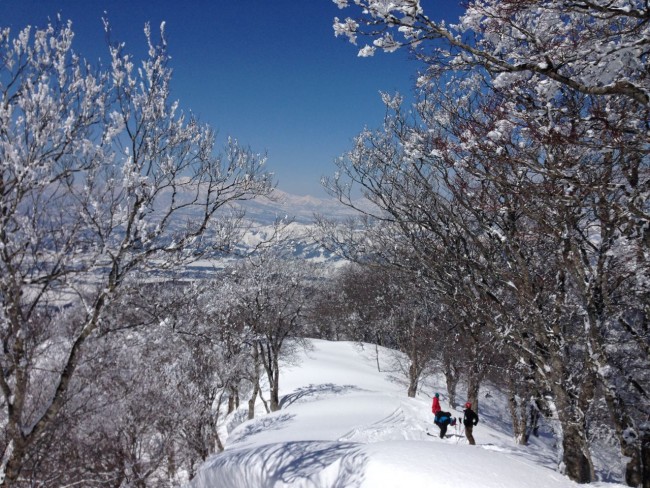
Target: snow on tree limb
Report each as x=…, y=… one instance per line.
x=597, y=48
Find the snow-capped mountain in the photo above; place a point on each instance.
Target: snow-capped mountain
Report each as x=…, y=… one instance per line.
x=300, y=235
x=297, y=234
x=301, y=209
x=299, y=241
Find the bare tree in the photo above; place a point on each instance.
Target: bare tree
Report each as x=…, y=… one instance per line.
x=568, y=42
x=272, y=292
x=101, y=176
x=564, y=206
x=543, y=140
x=387, y=307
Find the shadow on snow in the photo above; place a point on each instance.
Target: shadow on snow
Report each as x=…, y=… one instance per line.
x=314, y=392
x=316, y=464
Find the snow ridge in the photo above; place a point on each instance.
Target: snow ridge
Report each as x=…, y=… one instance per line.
x=346, y=424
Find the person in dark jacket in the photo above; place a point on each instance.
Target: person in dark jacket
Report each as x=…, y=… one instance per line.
x=442, y=420
x=470, y=419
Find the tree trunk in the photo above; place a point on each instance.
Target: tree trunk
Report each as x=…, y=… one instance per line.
x=269, y=354
x=475, y=371
x=264, y=402
x=231, y=404
x=12, y=459
x=571, y=405
x=451, y=376
x=634, y=467
x=275, y=385
x=256, y=384
x=518, y=414
x=645, y=456
x=577, y=459
x=631, y=445
x=233, y=397
x=414, y=366
x=214, y=426
x=413, y=380
x=628, y=437
x=270, y=363
x=377, y=357
x=251, y=400
x=534, y=414
x=473, y=387
x=576, y=456
x=171, y=464
x=599, y=363
x=218, y=442
x=19, y=440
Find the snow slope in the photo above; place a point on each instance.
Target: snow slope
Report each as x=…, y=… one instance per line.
x=345, y=424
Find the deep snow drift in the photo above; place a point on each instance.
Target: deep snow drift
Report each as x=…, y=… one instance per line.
x=345, y=424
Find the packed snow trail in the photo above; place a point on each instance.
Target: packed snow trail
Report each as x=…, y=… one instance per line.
x=344, y=424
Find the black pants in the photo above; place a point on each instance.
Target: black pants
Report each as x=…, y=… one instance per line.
x=443, y=428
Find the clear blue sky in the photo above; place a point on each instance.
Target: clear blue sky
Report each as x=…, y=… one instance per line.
x=267, y=72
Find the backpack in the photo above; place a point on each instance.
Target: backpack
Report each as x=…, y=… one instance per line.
x=442, y=417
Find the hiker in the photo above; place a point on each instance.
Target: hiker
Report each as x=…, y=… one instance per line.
x=442, y=420
x=435, y=406
x=470, y=419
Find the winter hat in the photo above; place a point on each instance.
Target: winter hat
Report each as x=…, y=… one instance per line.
x=468, y=405
x=437, y=395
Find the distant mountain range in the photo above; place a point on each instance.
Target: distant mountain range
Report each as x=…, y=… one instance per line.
x=298, y=237
x=301, y=209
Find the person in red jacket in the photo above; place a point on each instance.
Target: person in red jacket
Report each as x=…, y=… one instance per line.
x=435, y=406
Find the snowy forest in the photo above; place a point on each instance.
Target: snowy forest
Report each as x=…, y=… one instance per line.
x=501, y=235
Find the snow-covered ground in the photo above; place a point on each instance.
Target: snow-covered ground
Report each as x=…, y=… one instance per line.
x=345, y=424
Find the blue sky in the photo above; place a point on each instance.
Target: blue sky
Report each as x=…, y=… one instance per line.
x=267, y=72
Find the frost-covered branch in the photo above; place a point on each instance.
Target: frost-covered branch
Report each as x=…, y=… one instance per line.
x=101, y=176
x=569, y=42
